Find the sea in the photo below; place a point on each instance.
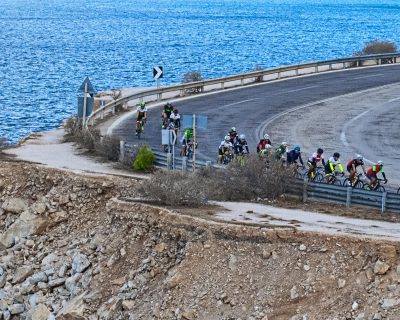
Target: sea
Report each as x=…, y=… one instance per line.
x=48, y=47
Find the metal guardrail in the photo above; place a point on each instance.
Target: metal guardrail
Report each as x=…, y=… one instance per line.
x=346, y=195
x=243, y=79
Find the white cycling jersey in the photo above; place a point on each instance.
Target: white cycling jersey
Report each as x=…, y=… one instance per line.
x=139, y=109
x=174, y=116
x=225, y=144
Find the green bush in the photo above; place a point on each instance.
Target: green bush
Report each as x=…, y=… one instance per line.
x=144, y=160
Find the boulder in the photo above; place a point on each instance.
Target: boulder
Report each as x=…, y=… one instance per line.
x=27, y=224
x=17, y=308
x=388, y=304
x=80, y=263
x=15, y=205
x=381, y=267
x=40, y=313
x=21, y=274
x=73, y=310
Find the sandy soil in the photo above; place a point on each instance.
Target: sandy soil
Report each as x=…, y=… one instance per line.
x=365, y=122
x=49, y=149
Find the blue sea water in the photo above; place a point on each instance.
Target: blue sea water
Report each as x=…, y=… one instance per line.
x=47, y=47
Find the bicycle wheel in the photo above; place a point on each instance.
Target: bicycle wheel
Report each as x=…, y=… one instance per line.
x=319, y=177
x=337, y=182
x=359, y=185
x=380, y=188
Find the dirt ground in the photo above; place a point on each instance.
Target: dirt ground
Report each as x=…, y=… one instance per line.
x=102, y=257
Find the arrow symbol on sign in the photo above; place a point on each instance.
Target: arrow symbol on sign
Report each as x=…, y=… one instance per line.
x=157, y=72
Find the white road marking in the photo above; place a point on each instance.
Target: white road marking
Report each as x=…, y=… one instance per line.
x=239, y=102
x=369, y=76
x=300, y=89
x=351, y=121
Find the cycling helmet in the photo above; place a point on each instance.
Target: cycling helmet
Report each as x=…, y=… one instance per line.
x=380, y=162
x=320, y=151
x=233, y=129
x=266, y=136
x=336, y=155
x=268, y=146
x=284, y=143
x=296, y=148
x=175, y=111
x=142, y=104
x=360, y=157
x=242, y=137
x=227, y=138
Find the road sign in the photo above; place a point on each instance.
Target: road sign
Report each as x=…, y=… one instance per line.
x=201, y=121
x=89, y=88
x=158, y=72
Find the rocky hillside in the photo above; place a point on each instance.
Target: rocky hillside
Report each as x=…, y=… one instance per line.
x=72, y=248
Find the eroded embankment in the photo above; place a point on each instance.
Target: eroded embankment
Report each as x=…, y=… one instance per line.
x=72, y=249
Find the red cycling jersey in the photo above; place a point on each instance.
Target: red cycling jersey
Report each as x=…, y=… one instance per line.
x=373, y=171
x=356, y=163
x=315, y=158
x=262, y=144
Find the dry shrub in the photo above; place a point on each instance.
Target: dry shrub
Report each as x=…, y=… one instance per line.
x=108, y=148
x=253, y=179
x=174, y=189
x=192, y=76
x=378, y=47
x=4, y=144
x=256, y=178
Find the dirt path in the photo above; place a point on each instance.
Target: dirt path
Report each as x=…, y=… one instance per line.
x=263, y=215
x=49, y=150
x=365, y=122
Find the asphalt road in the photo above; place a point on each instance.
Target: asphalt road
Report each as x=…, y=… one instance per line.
x=248, y=108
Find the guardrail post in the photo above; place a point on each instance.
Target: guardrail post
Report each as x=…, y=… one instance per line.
x=279, y=75
x=330, y=66
x=344, y=65
x=121, y=150
x=113, y=110
x=159, y=96
x=395, y=60
x=184, y=163
x=305, y=185
x=316, y=69
x=182, y=92
x=296, y=72
x=384, y=195
x=242, y=82
x=222, y=85
x=169, y=161
x=348, y=196
x=208, y=164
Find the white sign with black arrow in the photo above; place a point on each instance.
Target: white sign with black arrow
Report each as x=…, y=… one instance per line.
x=158, y=72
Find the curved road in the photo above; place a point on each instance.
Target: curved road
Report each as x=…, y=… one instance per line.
x=248, y=108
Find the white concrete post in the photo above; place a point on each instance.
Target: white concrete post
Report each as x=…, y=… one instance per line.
x=121, y=150
x=348, y=196
x=384, y=195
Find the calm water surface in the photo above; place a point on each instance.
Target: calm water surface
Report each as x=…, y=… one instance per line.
x=49, y=46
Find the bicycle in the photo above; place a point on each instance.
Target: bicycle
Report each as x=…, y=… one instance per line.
x=227, y=157
x=139, y=127
x=378, y=187
x=332, y=178
x=299, y=172
x=356, y=183
x=316, y=175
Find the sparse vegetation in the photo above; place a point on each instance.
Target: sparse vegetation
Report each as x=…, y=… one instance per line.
x=250, y=181
x=377, y=47
x=4, y=144
x=90, y=139
x=192, y=76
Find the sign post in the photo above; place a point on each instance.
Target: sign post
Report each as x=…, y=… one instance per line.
x=158, y=73
x=84, y=105
x=194, y=142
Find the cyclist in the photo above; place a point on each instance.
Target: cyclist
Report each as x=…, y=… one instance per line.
x=186, y=140
x=168, y=109
x=233, y=136
x=293, y=155
x=241, y=147
x=313, y=162
x=141, y=116
x=225, y=146
x=372, y=174
x=281, y=151
x=175, y=118
x=264, y=141
x=352, y=167
x=332, y=166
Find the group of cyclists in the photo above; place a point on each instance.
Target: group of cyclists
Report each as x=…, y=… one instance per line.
x=170, y=120
x=235, y=145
